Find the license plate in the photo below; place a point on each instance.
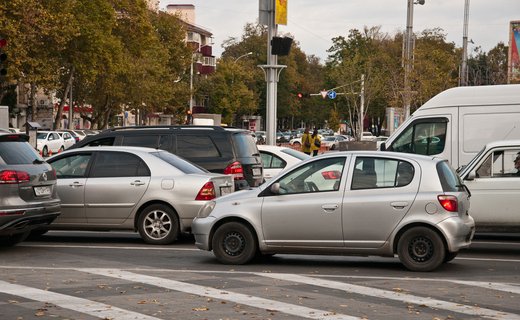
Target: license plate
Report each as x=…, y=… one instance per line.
x=43, y=191
x=225, y=190
x=257, y=171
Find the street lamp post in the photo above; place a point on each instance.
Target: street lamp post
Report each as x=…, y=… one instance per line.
x=408, y=60
x=244, y=55
x=464, y=67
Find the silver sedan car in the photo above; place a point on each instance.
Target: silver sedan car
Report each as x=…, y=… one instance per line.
x=132, y=188
x=358, y=203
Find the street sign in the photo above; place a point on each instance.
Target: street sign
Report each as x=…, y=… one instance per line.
x=324, y=93
x=331, y=94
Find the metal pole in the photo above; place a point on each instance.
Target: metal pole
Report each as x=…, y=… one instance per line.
x=191, y=85
x=464, y=68
x=71, y=107
x=271, y=79
x=408, y=59
x=362, y=107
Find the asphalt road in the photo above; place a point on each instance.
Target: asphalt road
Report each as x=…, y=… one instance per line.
x=85, y=275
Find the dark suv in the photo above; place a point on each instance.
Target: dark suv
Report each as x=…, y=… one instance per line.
x=28, y=193
x=217, y=149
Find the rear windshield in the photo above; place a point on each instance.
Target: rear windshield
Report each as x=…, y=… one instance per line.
x=18, y=152
x=450, y=180
x=245, y=145
x=179, y=163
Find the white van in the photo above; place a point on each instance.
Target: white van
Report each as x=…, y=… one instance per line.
x=458, y=122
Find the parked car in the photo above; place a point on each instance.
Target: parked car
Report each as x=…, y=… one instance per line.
x=297, y=142
x=380, y=140
x=367, y=136
x=260, y=137
x=49, y=142
x=275, y=159
x=132, y=188
x=494, y=183
x=29, y=197
x=68, y=139
x=217, y=149
x=80, y=133
x=72, y=133
x=359, y=203
x=332, y=142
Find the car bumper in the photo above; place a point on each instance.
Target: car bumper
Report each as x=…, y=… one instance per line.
x=201, y=229
x=458, y=232
x=31, y=218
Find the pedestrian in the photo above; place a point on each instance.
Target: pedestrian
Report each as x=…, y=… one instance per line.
x=315, y=142
x=306, y=141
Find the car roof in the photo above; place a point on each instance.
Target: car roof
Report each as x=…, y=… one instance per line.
x=503, y=143
x=267, y=147
x=377, y=153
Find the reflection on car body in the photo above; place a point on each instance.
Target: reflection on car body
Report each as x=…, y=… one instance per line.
x=362, y=202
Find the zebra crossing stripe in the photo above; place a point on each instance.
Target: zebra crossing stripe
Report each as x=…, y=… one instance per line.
x=391, y=295
x=92, y=308
x=243, y=299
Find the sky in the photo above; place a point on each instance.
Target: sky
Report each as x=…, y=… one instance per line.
x=314, y=23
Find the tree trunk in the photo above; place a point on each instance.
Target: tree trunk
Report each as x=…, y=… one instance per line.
x=59, y=114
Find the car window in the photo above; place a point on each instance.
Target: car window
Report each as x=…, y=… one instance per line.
x=196, y=146
x=18, y=152
x=118, y=164
x=108, y=141
x=271, y=161
x=370, y=173
x=317, y=176
x=149, y=141
x=73, y=166
x=450, y=181
x=41, y=135
x=424, y=137
x=499, y=163
x=244, y=144
x=181, y=164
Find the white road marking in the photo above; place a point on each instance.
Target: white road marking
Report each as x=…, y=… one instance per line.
x=392, y=295
x=93, y=308
x=243, y=299
x=148, y=247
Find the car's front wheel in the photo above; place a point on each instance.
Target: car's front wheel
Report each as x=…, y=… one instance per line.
x=158, y=224
x=234, y=243
x=421, y=249
x=45, y=152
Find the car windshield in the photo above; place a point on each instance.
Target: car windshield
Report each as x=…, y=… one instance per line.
x=18, y=152
x=179, y=163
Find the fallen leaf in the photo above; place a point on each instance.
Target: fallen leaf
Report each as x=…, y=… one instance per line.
x=200, y=309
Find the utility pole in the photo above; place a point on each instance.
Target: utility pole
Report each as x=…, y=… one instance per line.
x=464, y=67
x=362, y=106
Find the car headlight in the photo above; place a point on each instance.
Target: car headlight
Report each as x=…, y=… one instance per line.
x=206, y=209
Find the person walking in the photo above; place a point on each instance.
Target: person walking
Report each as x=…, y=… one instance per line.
x=306, y=141
x=315, y=142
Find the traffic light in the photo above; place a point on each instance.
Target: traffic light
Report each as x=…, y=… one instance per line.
x=300, y=95
x=3, y=57
x=281, y=46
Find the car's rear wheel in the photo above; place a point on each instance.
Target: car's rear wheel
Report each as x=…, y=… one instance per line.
x=8, y=241
x=234, y=243
x=158, y=224
x=421, y=249
x=45, y=152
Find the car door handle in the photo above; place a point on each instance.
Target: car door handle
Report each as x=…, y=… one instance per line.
x=399, y=204
x=76, y=184
x=330, y=207
x=137, y=183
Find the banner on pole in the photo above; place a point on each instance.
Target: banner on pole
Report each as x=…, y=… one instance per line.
x=281, y=12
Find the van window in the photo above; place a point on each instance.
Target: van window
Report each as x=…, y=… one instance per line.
x=422, y=137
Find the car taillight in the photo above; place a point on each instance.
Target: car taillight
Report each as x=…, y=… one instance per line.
x=448, y=202
x=13, y=176
x=11, y=213
x=207, y=192
x=235, y=169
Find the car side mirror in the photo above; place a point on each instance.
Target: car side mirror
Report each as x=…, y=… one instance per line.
x=275, y=188
x=382, y=146
x=471, y=175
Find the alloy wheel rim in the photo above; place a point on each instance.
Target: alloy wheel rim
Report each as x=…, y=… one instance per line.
x=157, y=224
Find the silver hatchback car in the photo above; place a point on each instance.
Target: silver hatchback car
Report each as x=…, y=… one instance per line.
x=347, y=203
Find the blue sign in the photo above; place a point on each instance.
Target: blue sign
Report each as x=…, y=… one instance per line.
x=331, y=94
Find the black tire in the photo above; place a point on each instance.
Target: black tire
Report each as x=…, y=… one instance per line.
x=45, y=152
x=421, y=249
x=333, y=147
x=450, y=256
x=234, y=243
x=62, y=148
x=38, y=232
x=158, y=224
x=9, y=241
x=297, y=144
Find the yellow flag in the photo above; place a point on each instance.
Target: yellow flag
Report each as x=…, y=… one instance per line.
x=281, y=12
